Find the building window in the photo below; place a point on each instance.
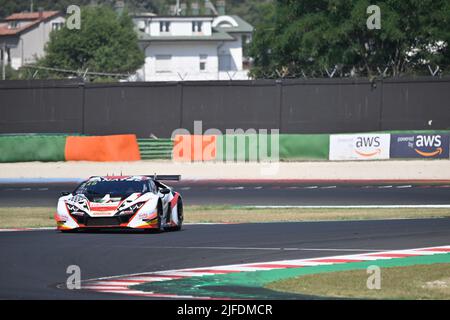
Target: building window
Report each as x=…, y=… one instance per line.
x=163, y=63
x=203, y=58
x=13, y=25
x=164, y=26
x=197, y=26
x=57, y=25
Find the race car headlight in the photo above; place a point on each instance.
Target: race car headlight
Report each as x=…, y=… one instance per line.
x=132, y=209
x=75, y=210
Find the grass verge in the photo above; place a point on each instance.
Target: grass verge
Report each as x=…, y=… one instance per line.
x=408, y=282
x=31, y=217
x=242, y=215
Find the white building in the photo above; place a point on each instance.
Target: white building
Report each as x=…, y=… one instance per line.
x=179, y=48
x=23, y=36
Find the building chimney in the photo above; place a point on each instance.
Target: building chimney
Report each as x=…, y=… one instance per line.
x=119, y=6
x=40, y=13
x=195, y=8
x=220, y=4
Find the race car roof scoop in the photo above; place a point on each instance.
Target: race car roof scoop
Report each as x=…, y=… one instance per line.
x=165, y=177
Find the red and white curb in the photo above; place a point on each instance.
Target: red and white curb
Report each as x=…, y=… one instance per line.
x=121, y=284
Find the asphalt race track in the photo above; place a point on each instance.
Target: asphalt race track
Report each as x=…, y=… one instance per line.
x=34, y=262
x=251, y=193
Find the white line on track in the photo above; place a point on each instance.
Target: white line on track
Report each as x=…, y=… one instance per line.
x=381, y=206
x=255, y=248
x=27, y=229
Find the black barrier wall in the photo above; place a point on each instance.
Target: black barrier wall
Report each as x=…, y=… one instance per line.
x=293, y=106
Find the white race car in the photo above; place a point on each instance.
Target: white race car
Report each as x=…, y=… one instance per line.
x=139, y=202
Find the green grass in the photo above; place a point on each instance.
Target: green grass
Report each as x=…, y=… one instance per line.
x=242, y=215
x=15, y=217
x=27, y=217
x=409, y=282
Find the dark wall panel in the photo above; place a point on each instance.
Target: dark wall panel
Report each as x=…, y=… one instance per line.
x=231, y=106
x=143, y=110
x=40, y=107
x=293, y=106
x=420, y=104
x=323, y=107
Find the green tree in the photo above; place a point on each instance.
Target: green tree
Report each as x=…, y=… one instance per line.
x=313, y=37
x=106, y=42
x=8, y=7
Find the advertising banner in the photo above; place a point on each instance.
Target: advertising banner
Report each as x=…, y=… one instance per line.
x=364, y=146
x=426, y=146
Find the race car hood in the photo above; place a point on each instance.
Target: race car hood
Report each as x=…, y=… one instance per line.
x=106, y=205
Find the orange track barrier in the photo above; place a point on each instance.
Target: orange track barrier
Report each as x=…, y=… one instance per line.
x=194, y=148
x=102, y=148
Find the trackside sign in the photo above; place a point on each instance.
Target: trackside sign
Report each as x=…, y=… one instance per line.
x=427, y=146
x=359, y=146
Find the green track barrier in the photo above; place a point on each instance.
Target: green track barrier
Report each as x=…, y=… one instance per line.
x=304, y=146
x=259, y=147
x=21, y=148
x=247, y=147
x=155, y=148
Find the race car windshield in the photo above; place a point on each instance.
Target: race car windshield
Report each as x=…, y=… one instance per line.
x=113, y=188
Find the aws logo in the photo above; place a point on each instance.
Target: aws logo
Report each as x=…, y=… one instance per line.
x=368, y=146
x=429, y=142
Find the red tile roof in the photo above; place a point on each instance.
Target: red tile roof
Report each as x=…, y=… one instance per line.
x=33, y=17
x=30, y=15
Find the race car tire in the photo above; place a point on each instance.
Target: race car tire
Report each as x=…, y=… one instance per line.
x=180, y=215
x=159, y=221
x=160, y=216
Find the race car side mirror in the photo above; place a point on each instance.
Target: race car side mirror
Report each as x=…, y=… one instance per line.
x=164, y=190
x=64, y=193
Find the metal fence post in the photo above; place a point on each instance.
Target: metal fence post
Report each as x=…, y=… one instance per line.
x=83, y=104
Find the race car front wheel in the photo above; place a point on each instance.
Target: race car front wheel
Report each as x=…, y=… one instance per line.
x=160, y=216
x=179, y=215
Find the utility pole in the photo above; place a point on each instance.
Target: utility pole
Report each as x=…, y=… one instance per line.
x=178, y=10
x=4, y=62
